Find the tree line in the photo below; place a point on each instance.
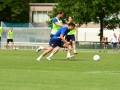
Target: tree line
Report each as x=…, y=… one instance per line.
x=105, y=12
x=17, y=11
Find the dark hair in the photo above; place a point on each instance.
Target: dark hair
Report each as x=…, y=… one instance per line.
x=59, y=12
x=71, y=24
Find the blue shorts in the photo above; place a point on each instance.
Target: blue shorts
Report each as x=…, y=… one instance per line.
x=115, y=45
x=51, y=36
x=54, y=43
x=70, y=37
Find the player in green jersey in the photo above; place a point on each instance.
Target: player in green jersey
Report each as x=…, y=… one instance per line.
x=10, y=38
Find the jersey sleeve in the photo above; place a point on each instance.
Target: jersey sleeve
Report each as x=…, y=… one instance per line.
x=55, y=20
x=63, y=31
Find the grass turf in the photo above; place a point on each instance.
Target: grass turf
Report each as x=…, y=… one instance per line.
x=19, y=70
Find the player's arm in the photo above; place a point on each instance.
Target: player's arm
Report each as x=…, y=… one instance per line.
x=76, y=26
x=58, y=24
x=63, y=39
x=9, y=33
x=111, y=39
x=55, y=21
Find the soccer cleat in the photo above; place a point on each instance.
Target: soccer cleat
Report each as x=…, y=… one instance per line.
x=38, y=59
x=66, y=49
x=75, y=52
x=39, y=49
x=48, y=58
x=72, y=56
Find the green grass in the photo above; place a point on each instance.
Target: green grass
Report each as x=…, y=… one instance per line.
x=19, y=70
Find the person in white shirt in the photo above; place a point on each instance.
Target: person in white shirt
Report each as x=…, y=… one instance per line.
x=114, y=42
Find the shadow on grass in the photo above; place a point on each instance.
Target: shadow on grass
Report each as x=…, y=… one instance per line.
x=73, y=59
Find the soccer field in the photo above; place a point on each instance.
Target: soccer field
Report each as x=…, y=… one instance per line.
x=19, y=70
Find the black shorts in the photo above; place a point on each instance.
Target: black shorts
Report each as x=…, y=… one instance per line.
x=106, y=43
x=9, y=40
x=0, y=38
x=54, y=43
x=70, y=37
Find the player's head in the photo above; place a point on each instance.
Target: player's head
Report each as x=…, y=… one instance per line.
x=114, y=34
x=71, y=25
x=60, y=14
x=106, y=38
x=11, y=28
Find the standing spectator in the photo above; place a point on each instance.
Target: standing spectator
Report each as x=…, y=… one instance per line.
x=106, y=44
x=114, y=42
x=119, y=42
x=103, y=40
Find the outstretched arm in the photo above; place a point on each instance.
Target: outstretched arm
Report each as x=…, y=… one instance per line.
x=63, y=39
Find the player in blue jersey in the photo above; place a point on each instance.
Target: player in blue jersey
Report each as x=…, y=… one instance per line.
x=59, y=40
x=70, y=38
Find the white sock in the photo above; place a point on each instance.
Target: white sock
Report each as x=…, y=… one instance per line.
x=41, y=47
x=68, y=54
x=74, y=50
x=39, y=57
x=51, y=55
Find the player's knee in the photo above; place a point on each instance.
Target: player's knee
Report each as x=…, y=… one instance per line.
x=73, y=42
x=69, y=47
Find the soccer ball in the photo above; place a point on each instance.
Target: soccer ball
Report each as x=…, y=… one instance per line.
x=96, y=57
x=16, y=48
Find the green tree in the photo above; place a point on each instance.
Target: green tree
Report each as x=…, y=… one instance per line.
x=15, y=10
x=97, y=11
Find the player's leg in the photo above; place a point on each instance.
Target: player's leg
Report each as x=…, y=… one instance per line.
x=45, y=52
x=68, y=38
x=45, y=47
x=55, y=50
x=74, y=47
x=12, y=42
x=6, y=45
x=53, y=44
x=69, y=50
x=73, y=43
x=41, y=48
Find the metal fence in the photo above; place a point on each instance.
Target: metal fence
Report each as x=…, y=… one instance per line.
x=27, y=36
x=90, y=45
x=31, y=38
